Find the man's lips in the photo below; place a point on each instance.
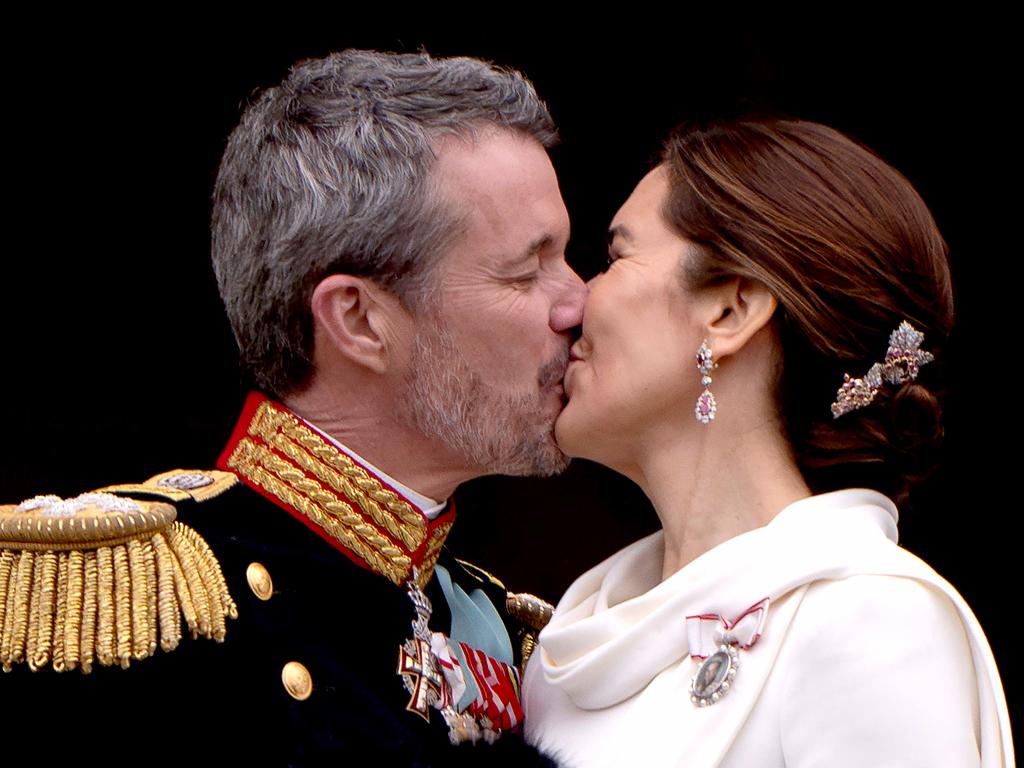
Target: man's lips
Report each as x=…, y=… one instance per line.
x=552, y=372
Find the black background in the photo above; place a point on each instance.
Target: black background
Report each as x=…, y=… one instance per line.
x=120, y=364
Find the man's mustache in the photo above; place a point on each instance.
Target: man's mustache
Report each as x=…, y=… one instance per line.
x=553, y=371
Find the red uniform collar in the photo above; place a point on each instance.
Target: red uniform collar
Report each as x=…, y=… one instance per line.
x=279, y=456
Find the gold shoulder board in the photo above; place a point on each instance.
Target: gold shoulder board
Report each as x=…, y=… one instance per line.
x=178, y=485
x=104, y=578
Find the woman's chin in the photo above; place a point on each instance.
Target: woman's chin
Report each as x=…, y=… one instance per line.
x=570, y=433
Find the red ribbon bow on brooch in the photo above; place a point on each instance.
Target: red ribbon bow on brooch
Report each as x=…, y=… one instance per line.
x=707, y=631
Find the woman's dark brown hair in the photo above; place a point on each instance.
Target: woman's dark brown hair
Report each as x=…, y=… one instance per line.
x=849, y=250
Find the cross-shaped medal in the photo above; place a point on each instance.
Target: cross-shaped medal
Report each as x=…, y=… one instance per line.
x=421, y=677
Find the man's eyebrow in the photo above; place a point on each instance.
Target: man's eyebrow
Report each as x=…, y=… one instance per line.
x=533, y=249
x=619, y=230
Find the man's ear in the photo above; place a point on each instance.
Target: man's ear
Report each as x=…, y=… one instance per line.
x=740, y=308
x=356, y=319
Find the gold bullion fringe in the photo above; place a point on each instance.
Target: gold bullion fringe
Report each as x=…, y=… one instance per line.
x=113, y=604
x=59, y=636
x=71, y=623
x=528, y=646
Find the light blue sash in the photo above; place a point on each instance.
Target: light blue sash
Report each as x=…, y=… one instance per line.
x=475, y=622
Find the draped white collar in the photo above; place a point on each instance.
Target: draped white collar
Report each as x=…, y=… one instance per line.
x=621, y=608
x=619, y=626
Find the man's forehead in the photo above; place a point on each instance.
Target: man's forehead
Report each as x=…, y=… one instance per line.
x=489, y=159
x=503, y=184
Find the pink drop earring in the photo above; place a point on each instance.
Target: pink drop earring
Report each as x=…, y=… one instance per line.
x=706, y=407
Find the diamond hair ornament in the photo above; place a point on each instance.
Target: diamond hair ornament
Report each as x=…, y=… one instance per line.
x=706, y=407
x=903, y=361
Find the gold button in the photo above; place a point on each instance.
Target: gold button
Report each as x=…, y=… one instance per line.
x=259, y=581
x=297, y=681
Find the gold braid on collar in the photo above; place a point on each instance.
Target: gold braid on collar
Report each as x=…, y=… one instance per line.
x=280, y=456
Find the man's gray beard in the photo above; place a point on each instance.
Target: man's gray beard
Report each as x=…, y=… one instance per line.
x=505, y=434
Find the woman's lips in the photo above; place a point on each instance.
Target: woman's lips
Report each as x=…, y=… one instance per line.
x=568, y=373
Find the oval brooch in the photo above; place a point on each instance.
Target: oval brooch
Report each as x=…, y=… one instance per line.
x=716, y=642
x=714, y=676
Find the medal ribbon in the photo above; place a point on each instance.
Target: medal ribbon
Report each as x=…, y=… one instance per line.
x=707, y=631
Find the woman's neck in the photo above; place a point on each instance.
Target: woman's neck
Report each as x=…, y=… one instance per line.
x=710, y=485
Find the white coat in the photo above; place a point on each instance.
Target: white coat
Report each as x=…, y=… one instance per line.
x=866, y=656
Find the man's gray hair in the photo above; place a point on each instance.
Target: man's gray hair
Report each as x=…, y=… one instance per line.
x=331, y=172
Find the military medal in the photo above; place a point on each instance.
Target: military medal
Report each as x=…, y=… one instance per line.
x=416, y=662
x=427, y=685
x=374, y=525
x=477, y=694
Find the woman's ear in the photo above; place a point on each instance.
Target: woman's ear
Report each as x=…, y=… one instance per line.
x=353, y=318
x=742, y=308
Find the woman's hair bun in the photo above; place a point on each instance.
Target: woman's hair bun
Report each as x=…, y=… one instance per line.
x=915, y=431
x=849, y=250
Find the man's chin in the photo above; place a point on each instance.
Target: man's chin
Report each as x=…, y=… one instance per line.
x=542, y=461
x=555, y=403
x=497, y=431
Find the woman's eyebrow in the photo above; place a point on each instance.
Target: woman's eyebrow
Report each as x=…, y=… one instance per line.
x=619, y=230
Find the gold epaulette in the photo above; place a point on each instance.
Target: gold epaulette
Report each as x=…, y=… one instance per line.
x=530, y=611
x=523, y=607
x=104, y=578
x=534, y=613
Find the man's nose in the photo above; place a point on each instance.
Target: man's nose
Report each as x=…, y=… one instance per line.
x=567, y=311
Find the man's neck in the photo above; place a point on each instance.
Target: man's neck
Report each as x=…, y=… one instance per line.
x=430, y=508
x=399, y=451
